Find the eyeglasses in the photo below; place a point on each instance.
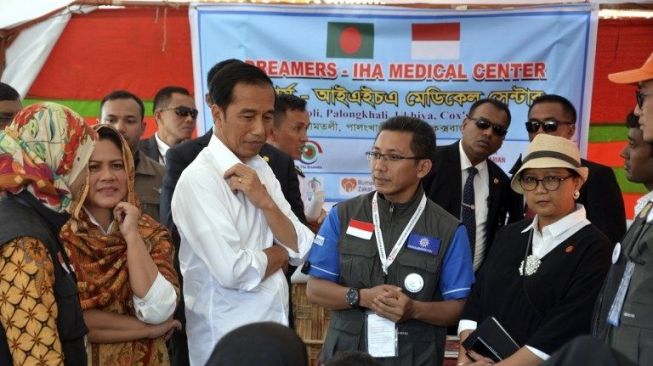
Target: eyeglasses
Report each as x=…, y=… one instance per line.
x=641, y=97
x=550, y=182
x=548, y=125
x=375, y=155
x=183, y=111
x=484, y=124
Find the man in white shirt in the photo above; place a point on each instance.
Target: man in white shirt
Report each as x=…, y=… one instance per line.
x=237, y=230
x=175, y=115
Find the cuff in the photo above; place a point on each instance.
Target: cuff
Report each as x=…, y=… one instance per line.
x=466, y=324
x=538, y=353
x=158, y=304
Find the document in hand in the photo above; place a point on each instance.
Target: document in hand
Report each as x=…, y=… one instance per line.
x=491, y=340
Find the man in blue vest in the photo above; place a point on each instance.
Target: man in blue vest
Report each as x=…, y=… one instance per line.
x=394, y=267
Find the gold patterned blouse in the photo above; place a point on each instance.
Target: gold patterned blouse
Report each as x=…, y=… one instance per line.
x=28, y=310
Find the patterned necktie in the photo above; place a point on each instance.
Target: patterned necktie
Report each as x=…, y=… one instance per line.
x=468, y=207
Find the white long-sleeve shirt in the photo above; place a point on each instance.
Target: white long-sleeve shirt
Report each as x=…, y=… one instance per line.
x=221, y=253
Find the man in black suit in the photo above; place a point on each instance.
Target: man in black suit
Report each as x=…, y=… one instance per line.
x=175, y=115
x=555, y=115
x=177, y=159
x=483, y=132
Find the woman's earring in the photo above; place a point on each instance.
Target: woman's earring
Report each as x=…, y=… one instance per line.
x=576, y=194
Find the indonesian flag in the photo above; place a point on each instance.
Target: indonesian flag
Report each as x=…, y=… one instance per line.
x=360, y=229
x=439, y=41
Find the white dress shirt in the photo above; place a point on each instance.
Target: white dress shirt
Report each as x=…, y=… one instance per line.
x=163, y=149
x=642, y=201
x=221, y=256
x=544, y=242
x=481, y=195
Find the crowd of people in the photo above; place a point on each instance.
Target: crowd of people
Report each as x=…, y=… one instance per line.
x=118, y=250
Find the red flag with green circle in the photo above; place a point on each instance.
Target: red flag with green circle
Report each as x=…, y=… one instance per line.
x=350, y=40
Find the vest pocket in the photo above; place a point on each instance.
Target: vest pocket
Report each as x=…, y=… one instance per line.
x=358, y=260
x=423, y=265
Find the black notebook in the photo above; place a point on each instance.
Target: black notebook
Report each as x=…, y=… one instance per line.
x=491, y=340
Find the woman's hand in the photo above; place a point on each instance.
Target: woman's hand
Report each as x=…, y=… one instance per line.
x=164, y=329
x=127, y=216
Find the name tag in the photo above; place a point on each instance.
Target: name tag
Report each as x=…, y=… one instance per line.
x=360, y=229
x=423, y=243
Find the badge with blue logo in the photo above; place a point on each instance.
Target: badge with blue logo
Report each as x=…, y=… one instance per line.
x=423, y=243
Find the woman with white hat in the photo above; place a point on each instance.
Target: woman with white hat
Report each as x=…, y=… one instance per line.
x=541, y=279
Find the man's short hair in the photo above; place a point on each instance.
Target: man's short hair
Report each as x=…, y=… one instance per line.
x=352, y=358
x=223, y=83
x=285, y=103
x=496, y=103
x=566, y=105
x=7, y=92
x=124, y=94
x=423, y=141
x=163, y=96
x=219, y=66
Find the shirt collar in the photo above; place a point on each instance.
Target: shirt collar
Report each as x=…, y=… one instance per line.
x=559, y=227
x=466, y=163
x=642, y=201
x=225, y=158
x=162, y=146
x=96, y=223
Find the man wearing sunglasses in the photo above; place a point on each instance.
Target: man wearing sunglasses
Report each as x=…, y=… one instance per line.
x=624, y=315
x=175, y=115
x=556, y=115
x=125, y=111
x=483, y=199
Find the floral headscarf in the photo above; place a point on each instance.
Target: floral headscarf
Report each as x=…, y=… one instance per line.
x=43, y=151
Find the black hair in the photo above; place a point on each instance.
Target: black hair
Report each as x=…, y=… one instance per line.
x=124, y=94
x=7, y=92
x=163, y=96
x=352, y=358
x=284, y=103
x=566, y=105
x=496, y=103
x=423, y=141
x=106, y=132
x=223, y=83
x=219, y=66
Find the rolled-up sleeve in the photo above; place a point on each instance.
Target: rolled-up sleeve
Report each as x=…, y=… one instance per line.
x=158, y=304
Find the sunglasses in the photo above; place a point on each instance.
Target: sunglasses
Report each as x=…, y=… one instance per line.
x=182, y=111
x=484, y=124
x=549, y=125
x=641, y=97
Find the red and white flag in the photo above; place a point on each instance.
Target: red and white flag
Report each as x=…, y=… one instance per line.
x=360, y=229
x=439, y=41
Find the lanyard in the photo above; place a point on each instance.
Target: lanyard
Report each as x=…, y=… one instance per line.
x=387, y=261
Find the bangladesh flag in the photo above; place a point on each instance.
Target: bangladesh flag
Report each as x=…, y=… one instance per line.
x=350, y=40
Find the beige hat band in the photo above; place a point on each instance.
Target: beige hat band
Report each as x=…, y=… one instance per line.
x=552, y=154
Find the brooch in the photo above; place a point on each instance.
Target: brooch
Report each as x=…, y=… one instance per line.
x=532, y=264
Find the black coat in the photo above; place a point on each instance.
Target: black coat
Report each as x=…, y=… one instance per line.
x=443, y=185
x=601, y=197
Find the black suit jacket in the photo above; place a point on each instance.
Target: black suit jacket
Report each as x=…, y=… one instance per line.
x=150, y=148
x=443, y=185
x=601, y=197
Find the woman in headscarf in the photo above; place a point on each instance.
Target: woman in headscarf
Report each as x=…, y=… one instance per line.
x=542, y=277
x=123, y=260
x=43, y=158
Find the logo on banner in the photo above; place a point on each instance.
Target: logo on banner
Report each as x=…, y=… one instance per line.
x=310, y=152
x=350, y=40
x=439, y=41
x=348, y=184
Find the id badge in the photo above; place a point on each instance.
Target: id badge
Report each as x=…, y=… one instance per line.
x=381, y=336
x=617, y=305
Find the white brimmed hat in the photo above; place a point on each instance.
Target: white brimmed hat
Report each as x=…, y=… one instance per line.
x=546, y=151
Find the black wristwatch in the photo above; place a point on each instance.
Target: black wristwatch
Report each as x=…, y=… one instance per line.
x=352, y=297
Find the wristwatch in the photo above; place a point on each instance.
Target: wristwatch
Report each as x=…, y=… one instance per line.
x=352, y=297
